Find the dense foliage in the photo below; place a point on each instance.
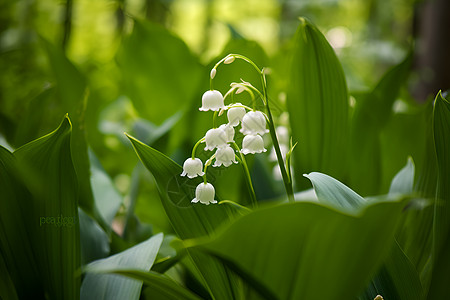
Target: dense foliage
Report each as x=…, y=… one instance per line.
x=351, y=199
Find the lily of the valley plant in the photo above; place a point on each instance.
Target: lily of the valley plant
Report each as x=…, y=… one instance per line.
x=220, y=139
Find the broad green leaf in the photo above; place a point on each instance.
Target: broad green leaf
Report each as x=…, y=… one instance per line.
x=404, y=136
x=94, y=241
x=107, y=198
x=15, y=240
x=372, y=111
x=108, y=286
x=403, y=182
x=317, y=103
x=332, y=192
x=46, y=166
x=417, y=222
x=7, y=288
x=159, y=286
x=71, y=97
x=305, y=250
x=158, y=71
x=189, y=220
x=397, y=278
x=439, y=288
x=414, y=235
x=427, y=175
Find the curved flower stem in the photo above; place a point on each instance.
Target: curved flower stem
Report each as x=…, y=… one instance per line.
x=196, y=146
x=286, y=178
x=215, y=118
x=247, y=175
x=251, y=87
x=207, y=164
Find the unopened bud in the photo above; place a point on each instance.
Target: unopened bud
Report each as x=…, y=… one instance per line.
x=240, y=90
x=378, y=297
x=213, y=73
x=228, y=60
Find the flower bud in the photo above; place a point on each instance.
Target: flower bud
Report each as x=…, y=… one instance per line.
x=229, y=60
x=213, y=73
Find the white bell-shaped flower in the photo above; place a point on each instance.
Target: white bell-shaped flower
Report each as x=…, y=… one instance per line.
x=252, y=144
x=204, y=193
x=229, y=130
x=253, y=123
x=212, y=100
x=215, y=138
x=225, y=156
x=235, y=115
x=192, y=167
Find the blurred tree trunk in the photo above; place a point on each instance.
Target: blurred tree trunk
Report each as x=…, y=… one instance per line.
x=432, y=61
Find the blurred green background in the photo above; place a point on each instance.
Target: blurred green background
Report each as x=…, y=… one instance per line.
x=141, y=67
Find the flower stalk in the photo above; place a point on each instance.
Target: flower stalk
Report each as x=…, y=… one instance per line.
x=248, y=178
x=286, y=178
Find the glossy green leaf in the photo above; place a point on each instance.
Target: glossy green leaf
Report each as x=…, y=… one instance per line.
x=404, y=136
x=108, y=286
x=317, y=103
x=107, y=198
x=439, y=288
x=308, y=251
x=397, y=278
x=372, y=111
x=71, y=97
x=46, y=166
x=157, y=68
x=159, y=286
x=15, y=241
x=417, y=222
x=403, y=182
x=94, y=241
x=332, y=192
x=189, y=220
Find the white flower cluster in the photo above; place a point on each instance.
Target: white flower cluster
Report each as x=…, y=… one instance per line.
x=221, y=139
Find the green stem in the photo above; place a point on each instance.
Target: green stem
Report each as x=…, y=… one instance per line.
x=253, y=96
x=247, y=175
x=196, y=146
x=286, y=178
x=215, y=118
x=207, y=163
